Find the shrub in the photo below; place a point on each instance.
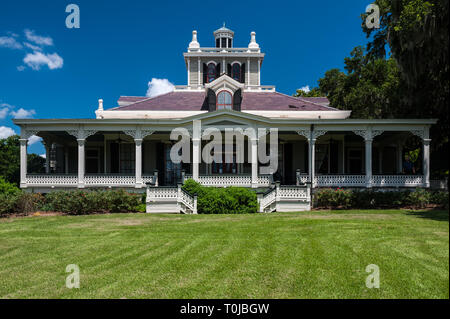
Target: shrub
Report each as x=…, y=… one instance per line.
x=9, y=195
x=85, y=202
x=372, y=199
x=29, y=202
x=230, y=200
x=330, y=198
x=419, y=198
x=8, y=203
x=440, y=199
x=8, y=188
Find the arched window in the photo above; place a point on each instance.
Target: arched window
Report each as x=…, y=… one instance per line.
x=224, y=101
x=236, y=72
x=211, y=72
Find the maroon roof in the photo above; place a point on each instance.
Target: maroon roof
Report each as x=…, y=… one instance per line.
x=196, y=101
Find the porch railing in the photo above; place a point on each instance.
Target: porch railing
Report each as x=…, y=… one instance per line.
x=110, y=180
x=181, y=200
x=232, y=180
x=52, y=180
x=397, y=180
x=344, y=180
x=269, y=201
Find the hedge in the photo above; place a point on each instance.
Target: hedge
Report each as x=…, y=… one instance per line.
x=71, y=202
x=229, y=200
x=372, y=199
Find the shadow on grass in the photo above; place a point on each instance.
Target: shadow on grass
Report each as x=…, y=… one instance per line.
x=439, y=215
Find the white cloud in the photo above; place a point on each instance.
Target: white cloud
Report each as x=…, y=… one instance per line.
x=23, y=114
x=34, y=139
x=6, y=132
x=20, y=68
x=305, y=88
x=32, y=47
x=159, y=86
x=3, y=112
x=43, y=155
x=10, y=43
x=37, y=59
x=37, y=39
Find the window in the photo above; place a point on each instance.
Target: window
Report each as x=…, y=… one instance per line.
x=236, y=72
x=224, y=101
x=127, y=163
x=211, y=72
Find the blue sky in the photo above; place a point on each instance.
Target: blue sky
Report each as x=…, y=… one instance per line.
x=50, y=71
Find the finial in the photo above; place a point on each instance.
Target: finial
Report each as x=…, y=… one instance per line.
x=224, y=24
x=194, y=43
x=253, y=45
x=100, y=105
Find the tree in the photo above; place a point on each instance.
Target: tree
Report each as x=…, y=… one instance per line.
x=314, y=92
x=416, y=32
x=370, y=88
x=10, y=160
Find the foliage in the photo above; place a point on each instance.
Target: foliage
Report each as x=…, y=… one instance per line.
x=85, y=202
x=416, y=32
x=230, y=200
x=314, y=92
x=7, y=188
x=330, y=198
x=10, y=160
x=36, y=164
x=371, y=199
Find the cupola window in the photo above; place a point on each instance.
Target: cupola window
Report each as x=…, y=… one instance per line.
x=236, y=72
x=224, y=101
x=211, y=72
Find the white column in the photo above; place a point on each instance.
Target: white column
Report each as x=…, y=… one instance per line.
x=47, y=158
x=224, y=67
x=368, y=161
x=189, y=72
x=195, y=158
x=138, y=162
x=81, y=143
x=23, y=162
x=248, y=72
x=199, y=73
x=196, y=140
x=426, y=162
x=312, y=161
x=254, y=142
x=259, y=72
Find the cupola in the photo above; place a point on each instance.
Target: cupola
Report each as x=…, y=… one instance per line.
x=224, y=37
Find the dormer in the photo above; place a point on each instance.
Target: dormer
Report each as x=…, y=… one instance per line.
x=224, y=93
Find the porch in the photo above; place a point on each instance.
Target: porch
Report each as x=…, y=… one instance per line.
x=323, y=153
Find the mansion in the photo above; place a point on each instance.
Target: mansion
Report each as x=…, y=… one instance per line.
x=128, y=145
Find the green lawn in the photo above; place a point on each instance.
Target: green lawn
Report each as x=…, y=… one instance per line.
x=292, y=255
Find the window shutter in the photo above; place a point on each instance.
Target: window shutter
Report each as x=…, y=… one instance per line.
x=211, y=100
x=243, y=73
x=205, y=73
x=237, y=100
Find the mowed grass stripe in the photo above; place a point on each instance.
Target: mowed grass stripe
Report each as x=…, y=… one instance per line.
x=296, y=255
